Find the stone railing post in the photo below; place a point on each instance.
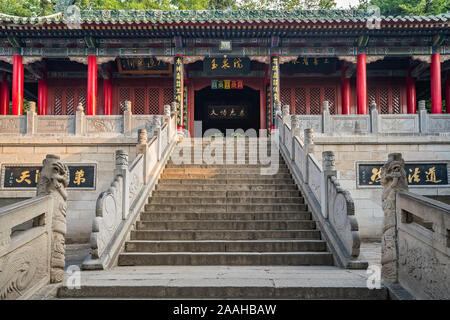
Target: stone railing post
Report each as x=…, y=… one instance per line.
x=80, y=121
x=53, y=180
x=329, y=170
x=285, y=113
x=127, y=119
x=374, y=125
x=295, y=126
x=423, y=117
x=276, y=112
x=326, y=119
x=157, y=133
x=393, y=179
x=141, y=148
x=31, y=118
x=309, y=143
x=122, y=170
x=173, y=108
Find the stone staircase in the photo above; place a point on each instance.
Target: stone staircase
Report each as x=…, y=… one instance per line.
x=225, y=231
x=225, y=215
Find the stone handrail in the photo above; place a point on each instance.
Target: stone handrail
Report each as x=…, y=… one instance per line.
x=375, y=123
x=331, y=205
x=423, y=226
x=79, y=124
x=32, y=245
x=118, y=208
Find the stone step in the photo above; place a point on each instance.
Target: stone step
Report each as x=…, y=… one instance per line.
x=243, y=194
x=175, y=207
x=223, y=282
x=246, y=225
x=237, y=216
x=226, y=258
x=258, y=166
x=226, y=246
x=259, y=180
x=220, y=176
x=224, y=234
x=224, y=200
x=175, y=170
x=226, y=187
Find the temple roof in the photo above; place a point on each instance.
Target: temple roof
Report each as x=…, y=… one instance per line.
x=220, y=17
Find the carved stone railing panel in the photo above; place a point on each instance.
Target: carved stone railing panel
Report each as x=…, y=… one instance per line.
x=310, y=122
x=60, y=125
x=332, y=207
x=104, y=125
x=399, y=123
x=12, y=124
x=439, y=123
x=350, y=124
x=117, y=209
x=144, y=122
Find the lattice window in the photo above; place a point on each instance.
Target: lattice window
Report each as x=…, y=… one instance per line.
x=330, y=96
x=314, y=100
x=139, y=101
x=285, y=96
x=384, y=100
x=58, y=101
x=82, y=96
x=153, y=100
x=371, y=95
x=395, y=100
x=124, y=95
x=300, y=101
x=70, y=101
x=167, y=97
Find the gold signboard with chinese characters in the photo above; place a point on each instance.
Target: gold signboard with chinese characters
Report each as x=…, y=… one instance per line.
x=82, y=176
x=227, y=112
x=418, y=174
x=226, y=66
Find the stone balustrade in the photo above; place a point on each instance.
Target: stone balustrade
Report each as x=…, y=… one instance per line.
x=375, y=123
x=331, y=205
x=118, y=207
x=79, y=124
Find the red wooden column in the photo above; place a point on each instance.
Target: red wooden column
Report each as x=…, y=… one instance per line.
x=435, y=73
x=107, y=96
x=42, y=96
x=410, y=94
x=4, y=96
x=92, y=86
x=447, y=93
x=17, y=85
x=361, y=84
x=345, y=92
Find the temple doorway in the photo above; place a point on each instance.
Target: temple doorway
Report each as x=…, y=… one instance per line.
x=227, y=109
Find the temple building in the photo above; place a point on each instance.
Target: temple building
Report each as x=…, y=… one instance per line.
x=225, y=68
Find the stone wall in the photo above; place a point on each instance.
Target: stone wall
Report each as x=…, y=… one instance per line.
x=81, y=204
x=350, y=150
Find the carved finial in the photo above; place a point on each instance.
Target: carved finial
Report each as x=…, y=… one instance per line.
x=373, y=106
x=328, y=161
x=128, y=106
x=32, y=106
x=142, y=136
x=121, y=158
x=173, y=107
x=286, y=110
x=325, y=107
x=393, y=179
x=167, y=109
x=80, y=107
x=422, y=105
x=309, y=135
x=53, y=180
x=277, y=106
x=295, y=121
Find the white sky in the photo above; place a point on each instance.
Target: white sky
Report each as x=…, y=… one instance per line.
x=344, y=4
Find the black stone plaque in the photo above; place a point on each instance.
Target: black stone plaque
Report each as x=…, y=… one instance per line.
x=226, y=66
x=143, y=66
x=308, y=65
x=418, y=174
x=82, y=176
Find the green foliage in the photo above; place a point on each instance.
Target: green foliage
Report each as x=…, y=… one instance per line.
x=286, y=4
x=408, y=7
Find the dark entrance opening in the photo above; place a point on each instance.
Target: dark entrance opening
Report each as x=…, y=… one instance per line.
x=227, y=109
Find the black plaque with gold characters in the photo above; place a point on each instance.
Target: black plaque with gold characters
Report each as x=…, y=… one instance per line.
x=227, y=112
x=82, y=176
x=274, y=83
x=178, y=93
x=310, y=65
x=226, y=66
x=143, y=66
x=418, y=174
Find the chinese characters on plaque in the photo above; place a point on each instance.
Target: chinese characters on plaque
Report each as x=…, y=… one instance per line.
x=420, y=174
x=227, y=112
x=178, y=85
x=227, y=84
x=226, y=66
x=82, y=176
x=314, y=65
x=143, y=66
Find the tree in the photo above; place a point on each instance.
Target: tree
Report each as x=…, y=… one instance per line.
x=408, y=7
x=286, y=4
